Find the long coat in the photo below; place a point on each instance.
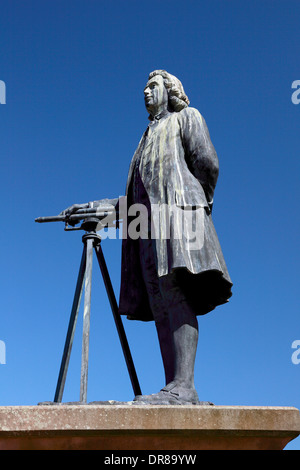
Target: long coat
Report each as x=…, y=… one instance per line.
x=178, y=168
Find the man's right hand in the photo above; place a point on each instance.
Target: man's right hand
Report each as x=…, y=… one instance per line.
x=107, y=204
x=73, y=209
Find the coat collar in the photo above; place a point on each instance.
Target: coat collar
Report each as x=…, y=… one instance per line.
x=158, y=116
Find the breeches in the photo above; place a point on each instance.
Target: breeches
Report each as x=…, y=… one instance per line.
x=165, y=295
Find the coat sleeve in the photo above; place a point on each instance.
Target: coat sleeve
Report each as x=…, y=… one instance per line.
x=200, y=154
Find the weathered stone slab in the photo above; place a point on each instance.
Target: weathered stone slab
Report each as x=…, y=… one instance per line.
x=127, y=427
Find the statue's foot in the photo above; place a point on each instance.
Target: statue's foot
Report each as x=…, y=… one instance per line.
x=171, y=394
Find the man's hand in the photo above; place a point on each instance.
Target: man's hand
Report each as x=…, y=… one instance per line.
x=73, y=209
x=102, y=204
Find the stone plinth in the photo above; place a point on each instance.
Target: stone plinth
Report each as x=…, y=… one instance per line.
x=136, y=427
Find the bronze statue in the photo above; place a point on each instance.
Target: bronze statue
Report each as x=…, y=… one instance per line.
x=174, y=270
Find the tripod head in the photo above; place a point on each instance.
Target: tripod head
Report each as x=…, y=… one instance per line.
x=90, y=220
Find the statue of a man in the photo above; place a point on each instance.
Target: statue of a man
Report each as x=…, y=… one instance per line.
x=172, y=279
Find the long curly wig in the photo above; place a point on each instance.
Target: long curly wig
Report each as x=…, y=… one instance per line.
x=177, y=97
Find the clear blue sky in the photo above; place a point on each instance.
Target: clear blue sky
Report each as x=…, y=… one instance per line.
x=75, y=73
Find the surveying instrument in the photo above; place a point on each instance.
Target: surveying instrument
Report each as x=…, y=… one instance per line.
x=91, y=222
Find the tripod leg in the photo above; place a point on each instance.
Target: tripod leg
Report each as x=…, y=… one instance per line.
x=71, y=331
x=86, y=320
x=118, y=321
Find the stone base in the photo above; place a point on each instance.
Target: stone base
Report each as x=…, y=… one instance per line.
x=140, y=427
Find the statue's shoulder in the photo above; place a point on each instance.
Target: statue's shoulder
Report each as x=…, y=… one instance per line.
x=189, y=113
x=190, y=117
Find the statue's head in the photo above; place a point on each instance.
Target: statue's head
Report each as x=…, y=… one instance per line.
x=169, y=89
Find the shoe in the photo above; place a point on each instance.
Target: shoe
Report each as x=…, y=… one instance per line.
x=171, y=394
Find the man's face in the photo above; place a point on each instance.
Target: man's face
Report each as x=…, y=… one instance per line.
x=156, y=95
